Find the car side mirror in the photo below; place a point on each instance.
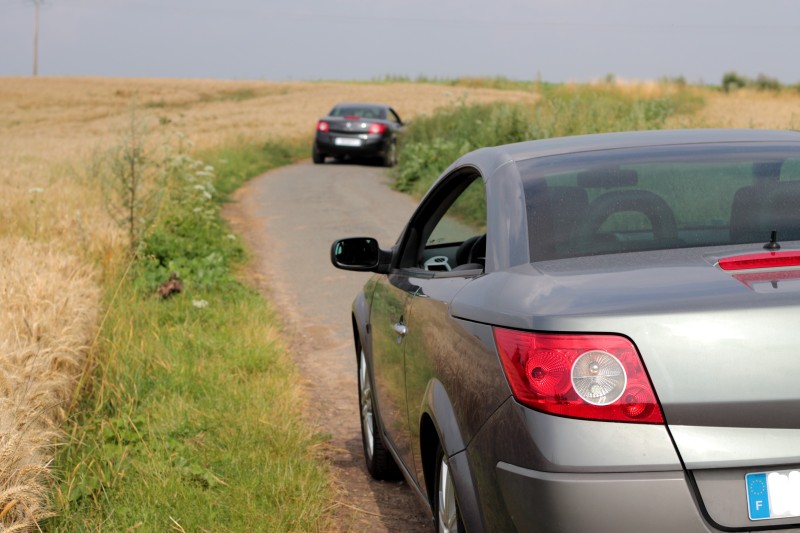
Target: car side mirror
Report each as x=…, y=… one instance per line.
x=362, y=254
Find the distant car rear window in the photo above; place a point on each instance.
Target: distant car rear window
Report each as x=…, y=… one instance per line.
x=378, y=113
x=615, y=201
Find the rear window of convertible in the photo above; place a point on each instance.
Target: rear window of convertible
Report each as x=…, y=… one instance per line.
x=656, y=198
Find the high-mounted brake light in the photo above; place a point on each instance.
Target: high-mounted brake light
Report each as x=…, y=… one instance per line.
x=323, y=126
x=788, y=258
x=595, y=377
x=377, y=128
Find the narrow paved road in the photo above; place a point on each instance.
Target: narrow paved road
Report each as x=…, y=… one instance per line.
x=290, y=217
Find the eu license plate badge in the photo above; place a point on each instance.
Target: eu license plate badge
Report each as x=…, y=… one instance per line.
x=773, y=494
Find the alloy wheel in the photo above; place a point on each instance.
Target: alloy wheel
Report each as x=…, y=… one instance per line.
x=447, y=507
x=367, y=416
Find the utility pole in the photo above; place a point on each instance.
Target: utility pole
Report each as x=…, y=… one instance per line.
x=37, y=4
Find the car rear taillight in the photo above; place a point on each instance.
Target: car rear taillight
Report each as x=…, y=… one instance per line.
x=323, y=126
x=789, y=258
x=377, y=128
x=595, y=377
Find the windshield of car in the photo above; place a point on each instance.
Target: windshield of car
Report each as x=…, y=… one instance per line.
x=656, y=198
x=359, y=111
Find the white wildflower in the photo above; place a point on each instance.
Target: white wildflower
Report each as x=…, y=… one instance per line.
x=200, y=304
x=35, y=190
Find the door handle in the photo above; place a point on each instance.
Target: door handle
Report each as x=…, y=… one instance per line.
x=400, y=329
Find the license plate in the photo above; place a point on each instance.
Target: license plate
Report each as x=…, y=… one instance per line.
x=773, y=494
x=346, y=141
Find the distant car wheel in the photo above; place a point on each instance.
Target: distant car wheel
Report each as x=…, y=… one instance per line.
x=390, y=158
x=318, y=157
x=448, y=515
x=380, y=462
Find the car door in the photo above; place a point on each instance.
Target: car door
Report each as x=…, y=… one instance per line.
x=413, y=303
x=389, y=316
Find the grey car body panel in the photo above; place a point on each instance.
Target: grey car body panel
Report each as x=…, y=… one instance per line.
x=688, y=319
x=468, y=501
x=723, y=491
x=548, y=443
x=653, y=502
x=690, y=322
x=569, y=445
x=705, y=447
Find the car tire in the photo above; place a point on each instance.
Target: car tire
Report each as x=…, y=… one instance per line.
x=390, y=157
x=317, y=156
x=380, y=463
x=447, y=514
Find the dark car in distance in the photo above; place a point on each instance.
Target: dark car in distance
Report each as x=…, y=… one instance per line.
x=592, y=334
x=358, y=130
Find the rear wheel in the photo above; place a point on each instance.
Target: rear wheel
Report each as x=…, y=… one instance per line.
x=317, y=156
x=380, y=462
x=448, y=515
x=390, y=157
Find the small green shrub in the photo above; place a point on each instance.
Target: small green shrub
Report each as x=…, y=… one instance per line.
x=732, y=81
x=766, y=83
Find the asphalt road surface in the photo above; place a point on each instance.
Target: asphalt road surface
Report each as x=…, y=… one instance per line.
x=290, y=217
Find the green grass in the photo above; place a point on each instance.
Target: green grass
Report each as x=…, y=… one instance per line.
x=431, y=143
x=191, y=418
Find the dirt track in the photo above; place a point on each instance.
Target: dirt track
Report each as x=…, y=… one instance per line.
x=289, y=218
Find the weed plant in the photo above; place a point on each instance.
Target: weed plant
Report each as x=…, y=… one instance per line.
x=188, y=423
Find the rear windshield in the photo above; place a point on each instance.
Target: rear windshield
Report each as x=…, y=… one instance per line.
x=360, y=111
x=615, y=201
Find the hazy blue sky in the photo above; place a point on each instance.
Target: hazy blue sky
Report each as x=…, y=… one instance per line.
x=363, y=39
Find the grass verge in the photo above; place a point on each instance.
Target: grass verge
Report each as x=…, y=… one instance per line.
x=431, y=143
x=190, y=419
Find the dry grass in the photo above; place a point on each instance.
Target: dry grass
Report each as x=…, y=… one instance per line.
x=746, y=109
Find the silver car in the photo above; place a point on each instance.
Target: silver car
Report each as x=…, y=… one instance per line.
x=592, y=334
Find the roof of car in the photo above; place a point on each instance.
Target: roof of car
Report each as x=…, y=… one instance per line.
x=499, y=155
x=365, y=104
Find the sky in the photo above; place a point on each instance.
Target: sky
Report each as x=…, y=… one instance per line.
x=551, y=40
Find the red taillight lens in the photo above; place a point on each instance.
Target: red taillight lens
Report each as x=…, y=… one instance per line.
x=789, y=258
x=377, y=128
x=595, y=377
x=323, y=126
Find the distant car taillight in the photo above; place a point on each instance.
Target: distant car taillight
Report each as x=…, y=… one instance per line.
x=595, y=377
x=323, y=126
x=377, y=128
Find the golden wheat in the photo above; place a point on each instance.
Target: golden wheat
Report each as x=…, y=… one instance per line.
x=48, y=314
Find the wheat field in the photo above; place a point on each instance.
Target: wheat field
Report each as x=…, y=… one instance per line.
x=57, y=241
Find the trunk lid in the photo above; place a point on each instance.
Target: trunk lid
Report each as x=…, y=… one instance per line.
x=349, y=125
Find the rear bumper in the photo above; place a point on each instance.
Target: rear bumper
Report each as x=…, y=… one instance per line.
x=536, y=472
x=371, y=145
x=555, y=502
